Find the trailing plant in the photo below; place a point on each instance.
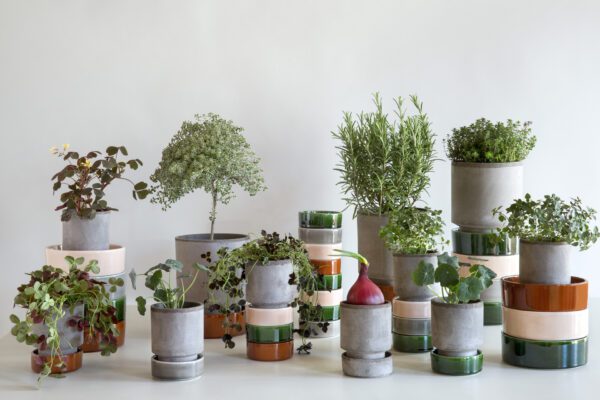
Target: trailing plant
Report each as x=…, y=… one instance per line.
x=165, y=291
x=50, y=292
x=209, y=153
x=364, y=291
x=414, y=230
x=456, y=289
x=86, y=177
x=550, y=219
x=385, y=164
x=486, y=142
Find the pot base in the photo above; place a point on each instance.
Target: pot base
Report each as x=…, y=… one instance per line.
x=72, y=362
x=468, y=365
x=367, y=368
x=213, y=325
x=177, y=371
x=270, y=351
x=492, y=313
x=91, y=344
x=333, y=330
x=542, y=354
x=412, y=344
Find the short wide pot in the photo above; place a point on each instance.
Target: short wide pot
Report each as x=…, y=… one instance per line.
x=177, y=333
x=71, y=339
x=404, y=266
x=372, y=247
x=456, y=329
x=545, y=262
x=86, y=234
x=268, y=285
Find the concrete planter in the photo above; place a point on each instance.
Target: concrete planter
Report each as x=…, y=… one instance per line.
x=71, y=339
x=545, y=262
x=86, y=234
x=366, y=336
x=267, y=285
x=372, y=247
x=478, y=188
x=456, y=329
x=404, y=266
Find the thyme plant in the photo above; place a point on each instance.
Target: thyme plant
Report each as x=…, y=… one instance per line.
x=413, y=230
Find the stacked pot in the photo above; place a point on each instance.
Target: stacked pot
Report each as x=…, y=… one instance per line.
x=545, y=310
x=321, y=232
x=477, y=189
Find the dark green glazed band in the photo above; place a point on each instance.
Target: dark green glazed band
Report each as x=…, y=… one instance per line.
x=492, y=313
x=411, y=326
x=269, y=334
x=483, y=244
x=412, y=344
x=330, y=282
x=320, y=219
x=468, y=365
x=329, y=313
x=544, y=354
x=119, y=304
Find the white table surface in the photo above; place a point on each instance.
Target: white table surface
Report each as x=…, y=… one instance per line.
x=230, y=375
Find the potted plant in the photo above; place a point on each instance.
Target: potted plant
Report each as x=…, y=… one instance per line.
x=59, y=305
x=487, y=170
x=85, y=211
x=456, y=314
x=548, y=229
x=176, y=323
x=211, y=154
x=384, y=166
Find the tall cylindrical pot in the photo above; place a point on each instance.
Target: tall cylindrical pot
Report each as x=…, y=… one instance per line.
x=372, y=247
x=456, y=329
x=177, y=334
x=404, y=266
x=545, y=262
x=86, y=234
x=268, y=285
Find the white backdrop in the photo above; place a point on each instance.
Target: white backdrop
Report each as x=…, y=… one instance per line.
x=97, y=73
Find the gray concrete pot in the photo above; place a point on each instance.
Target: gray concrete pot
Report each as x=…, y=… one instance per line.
x=267, y=285
x=86, y=234
x=372, y=247
x=404, y=266
x=545, y=262
x=366, y=336
x=71, y=339
x=456, y=329
x=478, y=188
x=177, y=334
x=188, y=250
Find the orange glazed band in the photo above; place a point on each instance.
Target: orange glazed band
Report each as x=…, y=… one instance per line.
x=270, y=351
x=542, y=297
x=328, y=267
x=213, y=325
x=91, y=344
x=71, y=362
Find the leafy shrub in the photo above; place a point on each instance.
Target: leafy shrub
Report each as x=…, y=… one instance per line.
x=414, y=231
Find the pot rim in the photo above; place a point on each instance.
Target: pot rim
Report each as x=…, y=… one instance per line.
x=514, y=280
x=112, y=248
x=438, y=302
x=543, y=243
x=487, y=165
x=218, y=237
x=428, y=254
x=365, y=214
x=386, y=304
x=271, y=263
x=192, y=307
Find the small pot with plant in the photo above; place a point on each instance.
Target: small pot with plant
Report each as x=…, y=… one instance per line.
x=547, y=230
x=209, y=154
x=177, y=325
x=85, y=212
x=487, y=170
x=59, y=306
x=384, y=166
x=456, y=314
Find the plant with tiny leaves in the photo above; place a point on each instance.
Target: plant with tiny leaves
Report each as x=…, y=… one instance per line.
x=550, y=219
x=86, y=178
x=50, y=292
x=413, y=230
x=456, y=289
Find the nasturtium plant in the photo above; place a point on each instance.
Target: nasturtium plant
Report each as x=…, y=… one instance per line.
x=414, y=230
x=455, y=288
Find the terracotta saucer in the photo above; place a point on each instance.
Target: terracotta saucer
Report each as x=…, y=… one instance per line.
x=91, y=344
x=270, y=351
x=71, y=362
x=213, y=325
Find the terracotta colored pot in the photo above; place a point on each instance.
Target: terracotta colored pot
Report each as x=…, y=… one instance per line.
x=501, y=265
x=111, y=261
x=325, y=298
x=269, y=316
x=328, y=267
x=213, y=325
x=388, y=291
x=270, y=351
x=322, y=251
x=541, y=297
x=411, y=309
x=91, y=344
x=534, y=325
x=72, y=362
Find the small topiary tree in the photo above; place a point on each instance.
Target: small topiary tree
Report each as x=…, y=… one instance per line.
x=208, y=153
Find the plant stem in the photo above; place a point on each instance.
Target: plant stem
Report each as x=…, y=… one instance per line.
x=213, y=212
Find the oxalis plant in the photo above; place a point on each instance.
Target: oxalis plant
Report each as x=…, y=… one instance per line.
x=550, y=219
x=86, y=176
x=50, y=292
x=209, y=153
x=486, y=142
x=413, y=230
x=229, y=273
x=455, y=289
x=385, y=164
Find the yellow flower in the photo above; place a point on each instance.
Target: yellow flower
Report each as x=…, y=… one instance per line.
x=87, y=163
x=53, y=150
x=65, y=146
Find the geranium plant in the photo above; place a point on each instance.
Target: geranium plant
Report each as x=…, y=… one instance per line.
x=86, y=177
x=209, y=153
x=413, y=230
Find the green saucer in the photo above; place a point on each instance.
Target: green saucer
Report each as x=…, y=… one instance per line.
x=329, y=282
x=468, y=365
x=543, y=354
x=412, y=344
x=492, y=313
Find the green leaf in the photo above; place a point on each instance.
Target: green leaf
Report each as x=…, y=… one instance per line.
x=484, y=274
x=112, y=150
x=154, y=279
x=140, y=185
x=446, y=275
x=174, y=265
x=424, y=274
x=133, y=276
x=446, y=259
x=469, y=289
x=14, y=319
x=141, y=305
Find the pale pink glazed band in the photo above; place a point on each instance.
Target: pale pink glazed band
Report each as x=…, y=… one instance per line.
x=411, y=309
x=535, y=325
x=111, y=261
x=269, y=316
x=326, y=298
x=501, y=265
x=322, y=251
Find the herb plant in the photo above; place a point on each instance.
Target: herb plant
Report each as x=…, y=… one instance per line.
x=550, y=219
x=86, y=178
x=211, y=154
x=50, y=291
x=413, y=230
x=486, y=142
x=385, y=164
x=455, y=288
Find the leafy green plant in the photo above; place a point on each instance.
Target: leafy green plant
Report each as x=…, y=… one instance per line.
x=49, y=292
x=414, y=230
x=455, y=288
x=385, y=164
x=550, y=219
x=160, y=281
x=486, y=142
x=86, y=178
x=211, y=154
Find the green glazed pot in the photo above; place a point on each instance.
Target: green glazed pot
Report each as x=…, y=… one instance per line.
x=330, y=282
x=492, y=313
x=544, y=354
x=119, y=304
x=412, y=344
x=330, y=313
x=482, y=244
x=320, y=219
x=468, y=365
x=269, y=334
